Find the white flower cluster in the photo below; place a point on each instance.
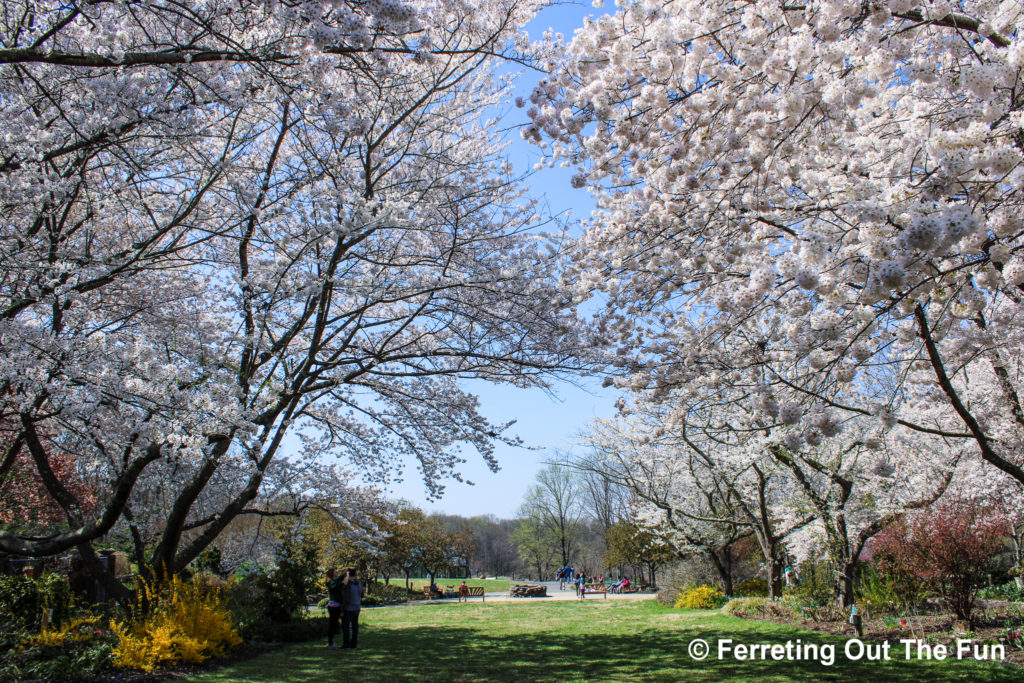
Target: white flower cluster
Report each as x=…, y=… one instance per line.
x=807, y=211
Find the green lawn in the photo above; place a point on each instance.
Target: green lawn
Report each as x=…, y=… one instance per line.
x=570, y=641
x=488, y=584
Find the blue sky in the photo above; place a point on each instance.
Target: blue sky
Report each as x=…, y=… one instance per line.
x=545, y=422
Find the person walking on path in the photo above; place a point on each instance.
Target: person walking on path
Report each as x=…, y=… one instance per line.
x=335, y=597
x=353, y=600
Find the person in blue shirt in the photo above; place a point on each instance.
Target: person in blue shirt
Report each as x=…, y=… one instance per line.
x=353, y=599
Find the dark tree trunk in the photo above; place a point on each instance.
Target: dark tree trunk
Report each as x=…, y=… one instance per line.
x=722, y=560
x=111, y=585
x=774, y=577
x=844, y=584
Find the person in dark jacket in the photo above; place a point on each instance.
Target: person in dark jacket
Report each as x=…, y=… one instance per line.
x=353, y=600
x=335, y=598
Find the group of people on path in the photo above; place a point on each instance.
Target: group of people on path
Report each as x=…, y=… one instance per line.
x=344, y=599
x=566, y=575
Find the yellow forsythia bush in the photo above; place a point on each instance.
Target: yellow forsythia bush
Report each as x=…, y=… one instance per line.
x=701, y=597
x=175, y=622
x=76, y=630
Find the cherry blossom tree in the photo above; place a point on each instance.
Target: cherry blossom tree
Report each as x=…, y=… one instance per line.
x=815, y=205
x=855, y=489
x=227, y=227
x=677, y=494
x=708, y=474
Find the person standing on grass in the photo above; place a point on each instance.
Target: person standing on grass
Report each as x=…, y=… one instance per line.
x=335, y=597
x=353, y=599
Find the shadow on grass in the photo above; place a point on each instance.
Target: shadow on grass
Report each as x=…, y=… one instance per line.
x=425, y=653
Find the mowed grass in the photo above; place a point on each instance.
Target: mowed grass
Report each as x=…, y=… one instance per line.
x=488, y=585
x=571, y=641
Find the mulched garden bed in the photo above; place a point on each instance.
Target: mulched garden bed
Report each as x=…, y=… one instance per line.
x=990, y=623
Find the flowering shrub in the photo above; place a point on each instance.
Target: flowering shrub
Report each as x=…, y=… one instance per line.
x=76, y=650
x=949, y=548
x=175, y=622
x=701, y=597
x=74, y=631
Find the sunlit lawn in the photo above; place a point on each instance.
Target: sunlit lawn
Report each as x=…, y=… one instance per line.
x=570, y=641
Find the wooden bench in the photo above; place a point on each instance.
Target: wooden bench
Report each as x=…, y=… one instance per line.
x=473, y=592
x=594, y=588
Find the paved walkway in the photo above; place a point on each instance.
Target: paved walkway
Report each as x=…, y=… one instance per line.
x=554, y=593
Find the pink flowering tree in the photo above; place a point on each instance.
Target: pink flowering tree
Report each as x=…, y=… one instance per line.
x=26, y=503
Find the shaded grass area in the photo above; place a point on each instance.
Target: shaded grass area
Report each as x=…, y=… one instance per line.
x=488, y=585
x=569, y=641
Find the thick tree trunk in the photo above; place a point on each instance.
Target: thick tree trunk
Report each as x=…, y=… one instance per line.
x=723, y=565
x=110, y=584
x=774, y=578
x=844, y=585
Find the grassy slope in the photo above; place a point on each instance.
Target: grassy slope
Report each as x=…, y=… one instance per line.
x=569, y=641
